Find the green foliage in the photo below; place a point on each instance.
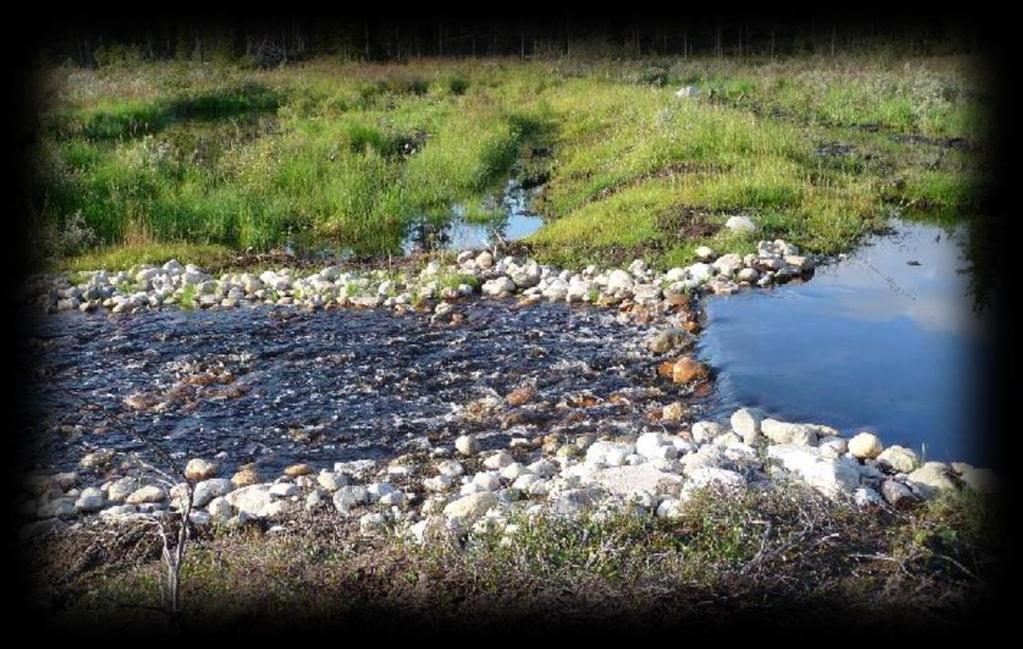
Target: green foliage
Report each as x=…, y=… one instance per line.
x=350, y=155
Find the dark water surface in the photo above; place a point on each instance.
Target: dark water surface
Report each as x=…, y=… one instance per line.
x=282, y=385
x=870, y=343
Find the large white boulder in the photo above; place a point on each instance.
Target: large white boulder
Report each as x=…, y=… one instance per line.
x=830, y=476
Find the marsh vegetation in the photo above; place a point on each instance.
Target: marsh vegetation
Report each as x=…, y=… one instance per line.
x=144, y=161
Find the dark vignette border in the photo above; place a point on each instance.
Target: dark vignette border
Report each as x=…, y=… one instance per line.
x=992, y=36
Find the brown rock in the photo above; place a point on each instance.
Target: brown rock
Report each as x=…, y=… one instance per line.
x=666, y=369
x=246, y=477
x=686, y=369
x=296, y=470
x=200, y=469
x=703, y=390
x=520, y=395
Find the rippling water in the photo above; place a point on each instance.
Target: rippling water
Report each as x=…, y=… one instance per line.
x=278, y=385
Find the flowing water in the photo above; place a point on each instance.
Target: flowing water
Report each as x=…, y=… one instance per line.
x=278, y=385
x=886, y=340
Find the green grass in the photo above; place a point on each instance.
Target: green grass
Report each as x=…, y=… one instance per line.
x=124, y=257
x=349, y=156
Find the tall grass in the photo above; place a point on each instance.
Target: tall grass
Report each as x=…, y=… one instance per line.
x=352, y=155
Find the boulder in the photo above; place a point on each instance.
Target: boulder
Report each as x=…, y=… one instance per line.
x=207, y=490
x=619, y=280
x=865, y=446
x=746, y=423
x=898, y=459
x=200, y=469
x=146, y=494
x=686, y=369
x=467, y=445
x=704, y=431
x=830, y=476
x=666, y=340
x=468, y=509
x=931, y=479
x=898, y=495
x=296, y=470
x=626, y=480
x=740, y=224
x=251, y=500
x=782, y=432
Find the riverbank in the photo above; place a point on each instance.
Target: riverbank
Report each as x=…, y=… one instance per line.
x=677, y=486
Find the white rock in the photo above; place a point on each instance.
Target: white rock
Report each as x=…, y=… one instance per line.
x=898, y=459
x=513, y=471
x=865, y=446
x=219, y=509
x=713, y=477
x=782, y=432
x=864, y=496
x=544, y=468
x=285, y=490
x=349, y=496
x=704, y=253
x=746, y=423
x=146, y=494
x=122, y=488
x=629, y=479
x=704, y=431
x=378, y=490
x=834, y=447
x=437, y=483
x=90, y=500
x=489, y=480
x=523, y=481
x=930, y=479
x=468, y=509
x=498, y=460
x=200, y=469
x=467, y=445
x=331, y=481
x=251, y=500
x=498, y=286
x=619, y=280
x=649, y=445
x=670, y=508
x=450, y=468
x=832, y=477
x=373, y=524
x=741, y=224
x=207, y=490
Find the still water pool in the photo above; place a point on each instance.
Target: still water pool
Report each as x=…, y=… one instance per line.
x=886, y=340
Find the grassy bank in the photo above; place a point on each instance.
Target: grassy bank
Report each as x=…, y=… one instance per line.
x=173, y=158
x=778, y=558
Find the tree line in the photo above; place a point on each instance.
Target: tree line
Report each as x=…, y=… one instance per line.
x=266, y=44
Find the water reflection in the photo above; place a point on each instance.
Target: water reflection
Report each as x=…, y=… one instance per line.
x=513, y=220
x=885, y=340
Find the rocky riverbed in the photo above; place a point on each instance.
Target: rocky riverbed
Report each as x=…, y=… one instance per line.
x=558, y=391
